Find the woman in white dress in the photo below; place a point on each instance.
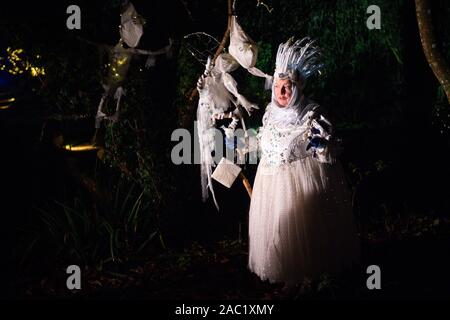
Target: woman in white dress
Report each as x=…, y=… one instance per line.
x=300, y=219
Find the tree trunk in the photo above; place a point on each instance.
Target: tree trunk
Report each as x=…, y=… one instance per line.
x=427, y=37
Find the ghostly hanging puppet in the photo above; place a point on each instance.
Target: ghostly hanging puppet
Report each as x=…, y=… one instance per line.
x=219, y=98
x=245, y=50
x=131, y=31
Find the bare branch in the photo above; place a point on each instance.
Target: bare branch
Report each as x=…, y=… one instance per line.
x=226, y=35
x=184, y=2
x=261, y=3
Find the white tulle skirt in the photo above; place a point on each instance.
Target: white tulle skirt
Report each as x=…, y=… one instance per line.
x=300, y=222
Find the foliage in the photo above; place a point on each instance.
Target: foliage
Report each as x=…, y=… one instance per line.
x=77, y=231
x=360, y=63
x=441, y=113
x=187, y=70
x=363, y=85
x=139, y=143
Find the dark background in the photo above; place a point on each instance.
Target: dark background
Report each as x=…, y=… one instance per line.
x=378, y=88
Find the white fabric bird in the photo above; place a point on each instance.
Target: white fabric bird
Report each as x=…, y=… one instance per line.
x=245, y=51
x=218, y=93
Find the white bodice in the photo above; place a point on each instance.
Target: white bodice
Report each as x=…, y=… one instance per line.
x=277, y=144
x=285, y=143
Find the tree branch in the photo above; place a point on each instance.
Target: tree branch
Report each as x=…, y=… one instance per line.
x=428, y=40
x=187, y=119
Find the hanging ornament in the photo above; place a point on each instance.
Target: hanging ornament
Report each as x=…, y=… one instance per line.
x=245, y=50
x=131, y=31
x=131, y=26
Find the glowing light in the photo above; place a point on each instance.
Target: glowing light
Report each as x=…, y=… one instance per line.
x=35, y=71
x=8, y=100
x=121, y=61
x=80, y=147
x=15, y=64
x=5, y=107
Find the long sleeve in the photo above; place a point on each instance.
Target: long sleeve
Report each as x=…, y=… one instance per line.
x=321, y=144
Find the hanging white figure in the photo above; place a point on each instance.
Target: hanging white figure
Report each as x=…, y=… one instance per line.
x=131, y=31
x=245, y=50
x=217, y=90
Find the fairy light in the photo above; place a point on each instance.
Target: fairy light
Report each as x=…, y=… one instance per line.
x=35, y=71
x=8, y=100
x=80, y=147
x=121, y=61
x=6, y=103
x=15, y=64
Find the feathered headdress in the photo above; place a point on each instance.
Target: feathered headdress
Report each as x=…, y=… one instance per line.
x=298, y=60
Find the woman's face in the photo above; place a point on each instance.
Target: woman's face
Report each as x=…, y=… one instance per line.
x=283, y=91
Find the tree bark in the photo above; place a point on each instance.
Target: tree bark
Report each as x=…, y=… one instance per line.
x=429, y=45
